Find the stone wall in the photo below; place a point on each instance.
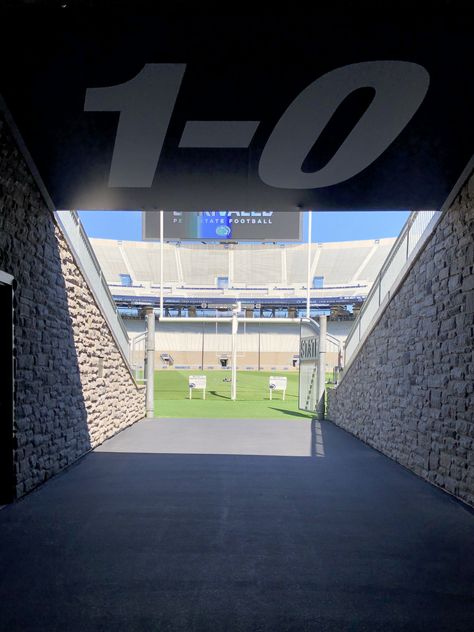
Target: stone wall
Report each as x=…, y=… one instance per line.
x=73, y=389
x=409, y=392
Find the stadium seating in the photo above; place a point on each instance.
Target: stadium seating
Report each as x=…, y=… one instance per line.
x=255, y=273
x=190, y=269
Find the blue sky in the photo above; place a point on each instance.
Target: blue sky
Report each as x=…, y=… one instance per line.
x=327, y=226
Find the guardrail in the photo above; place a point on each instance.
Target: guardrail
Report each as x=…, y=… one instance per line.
x=137, y=356
x=414, y=234
x=79, y=243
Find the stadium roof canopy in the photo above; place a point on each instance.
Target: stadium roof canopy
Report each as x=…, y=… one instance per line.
x=195, y=112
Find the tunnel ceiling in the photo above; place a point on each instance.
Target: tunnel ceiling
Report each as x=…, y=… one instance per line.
x=199, y=112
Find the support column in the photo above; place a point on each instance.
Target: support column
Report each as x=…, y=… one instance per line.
x=321, y=406
x=150, y=361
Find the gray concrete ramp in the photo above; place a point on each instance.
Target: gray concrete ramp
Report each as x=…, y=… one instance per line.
x=274, y=525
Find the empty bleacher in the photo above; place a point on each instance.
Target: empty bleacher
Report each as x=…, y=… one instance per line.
x=250, y=268
x=213, y=262
x=144, y=261
x=257, y=265
x=110, y=257
x=338, y=262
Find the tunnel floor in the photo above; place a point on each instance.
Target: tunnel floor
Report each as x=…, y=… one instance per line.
x=251, y=525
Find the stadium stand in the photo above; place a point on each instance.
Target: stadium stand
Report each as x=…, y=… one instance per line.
x=347, y=270
x=269, y=279
x=259, y=265
x=213, y=262
x=111, y=260
x=339, y=261
x=145, y=264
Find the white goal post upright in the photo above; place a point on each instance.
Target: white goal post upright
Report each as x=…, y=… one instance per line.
x=308, y=276
x=162, y=242
x=235, y=328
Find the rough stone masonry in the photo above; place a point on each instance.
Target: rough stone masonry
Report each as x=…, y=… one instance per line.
x=410, y=392
x=73, y=388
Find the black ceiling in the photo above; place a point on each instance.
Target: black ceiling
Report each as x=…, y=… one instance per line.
x=237, y=68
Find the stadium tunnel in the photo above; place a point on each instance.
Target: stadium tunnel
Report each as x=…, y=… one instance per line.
x=354, y=522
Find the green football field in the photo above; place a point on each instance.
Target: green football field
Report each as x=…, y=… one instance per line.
x=253, y=399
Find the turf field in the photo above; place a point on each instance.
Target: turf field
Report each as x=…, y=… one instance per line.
x=253, y=400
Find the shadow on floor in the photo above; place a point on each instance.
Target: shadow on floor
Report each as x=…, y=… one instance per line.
x=291, y=413
x=187, y=542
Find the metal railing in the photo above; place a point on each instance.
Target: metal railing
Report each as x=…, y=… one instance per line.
x=414, y=234
x=137, y=356
x=76, y=236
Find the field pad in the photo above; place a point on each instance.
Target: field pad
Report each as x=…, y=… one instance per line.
x=253, y=396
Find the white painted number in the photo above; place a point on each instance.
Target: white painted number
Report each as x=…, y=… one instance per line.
x=400, y=89
x=146, y=104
